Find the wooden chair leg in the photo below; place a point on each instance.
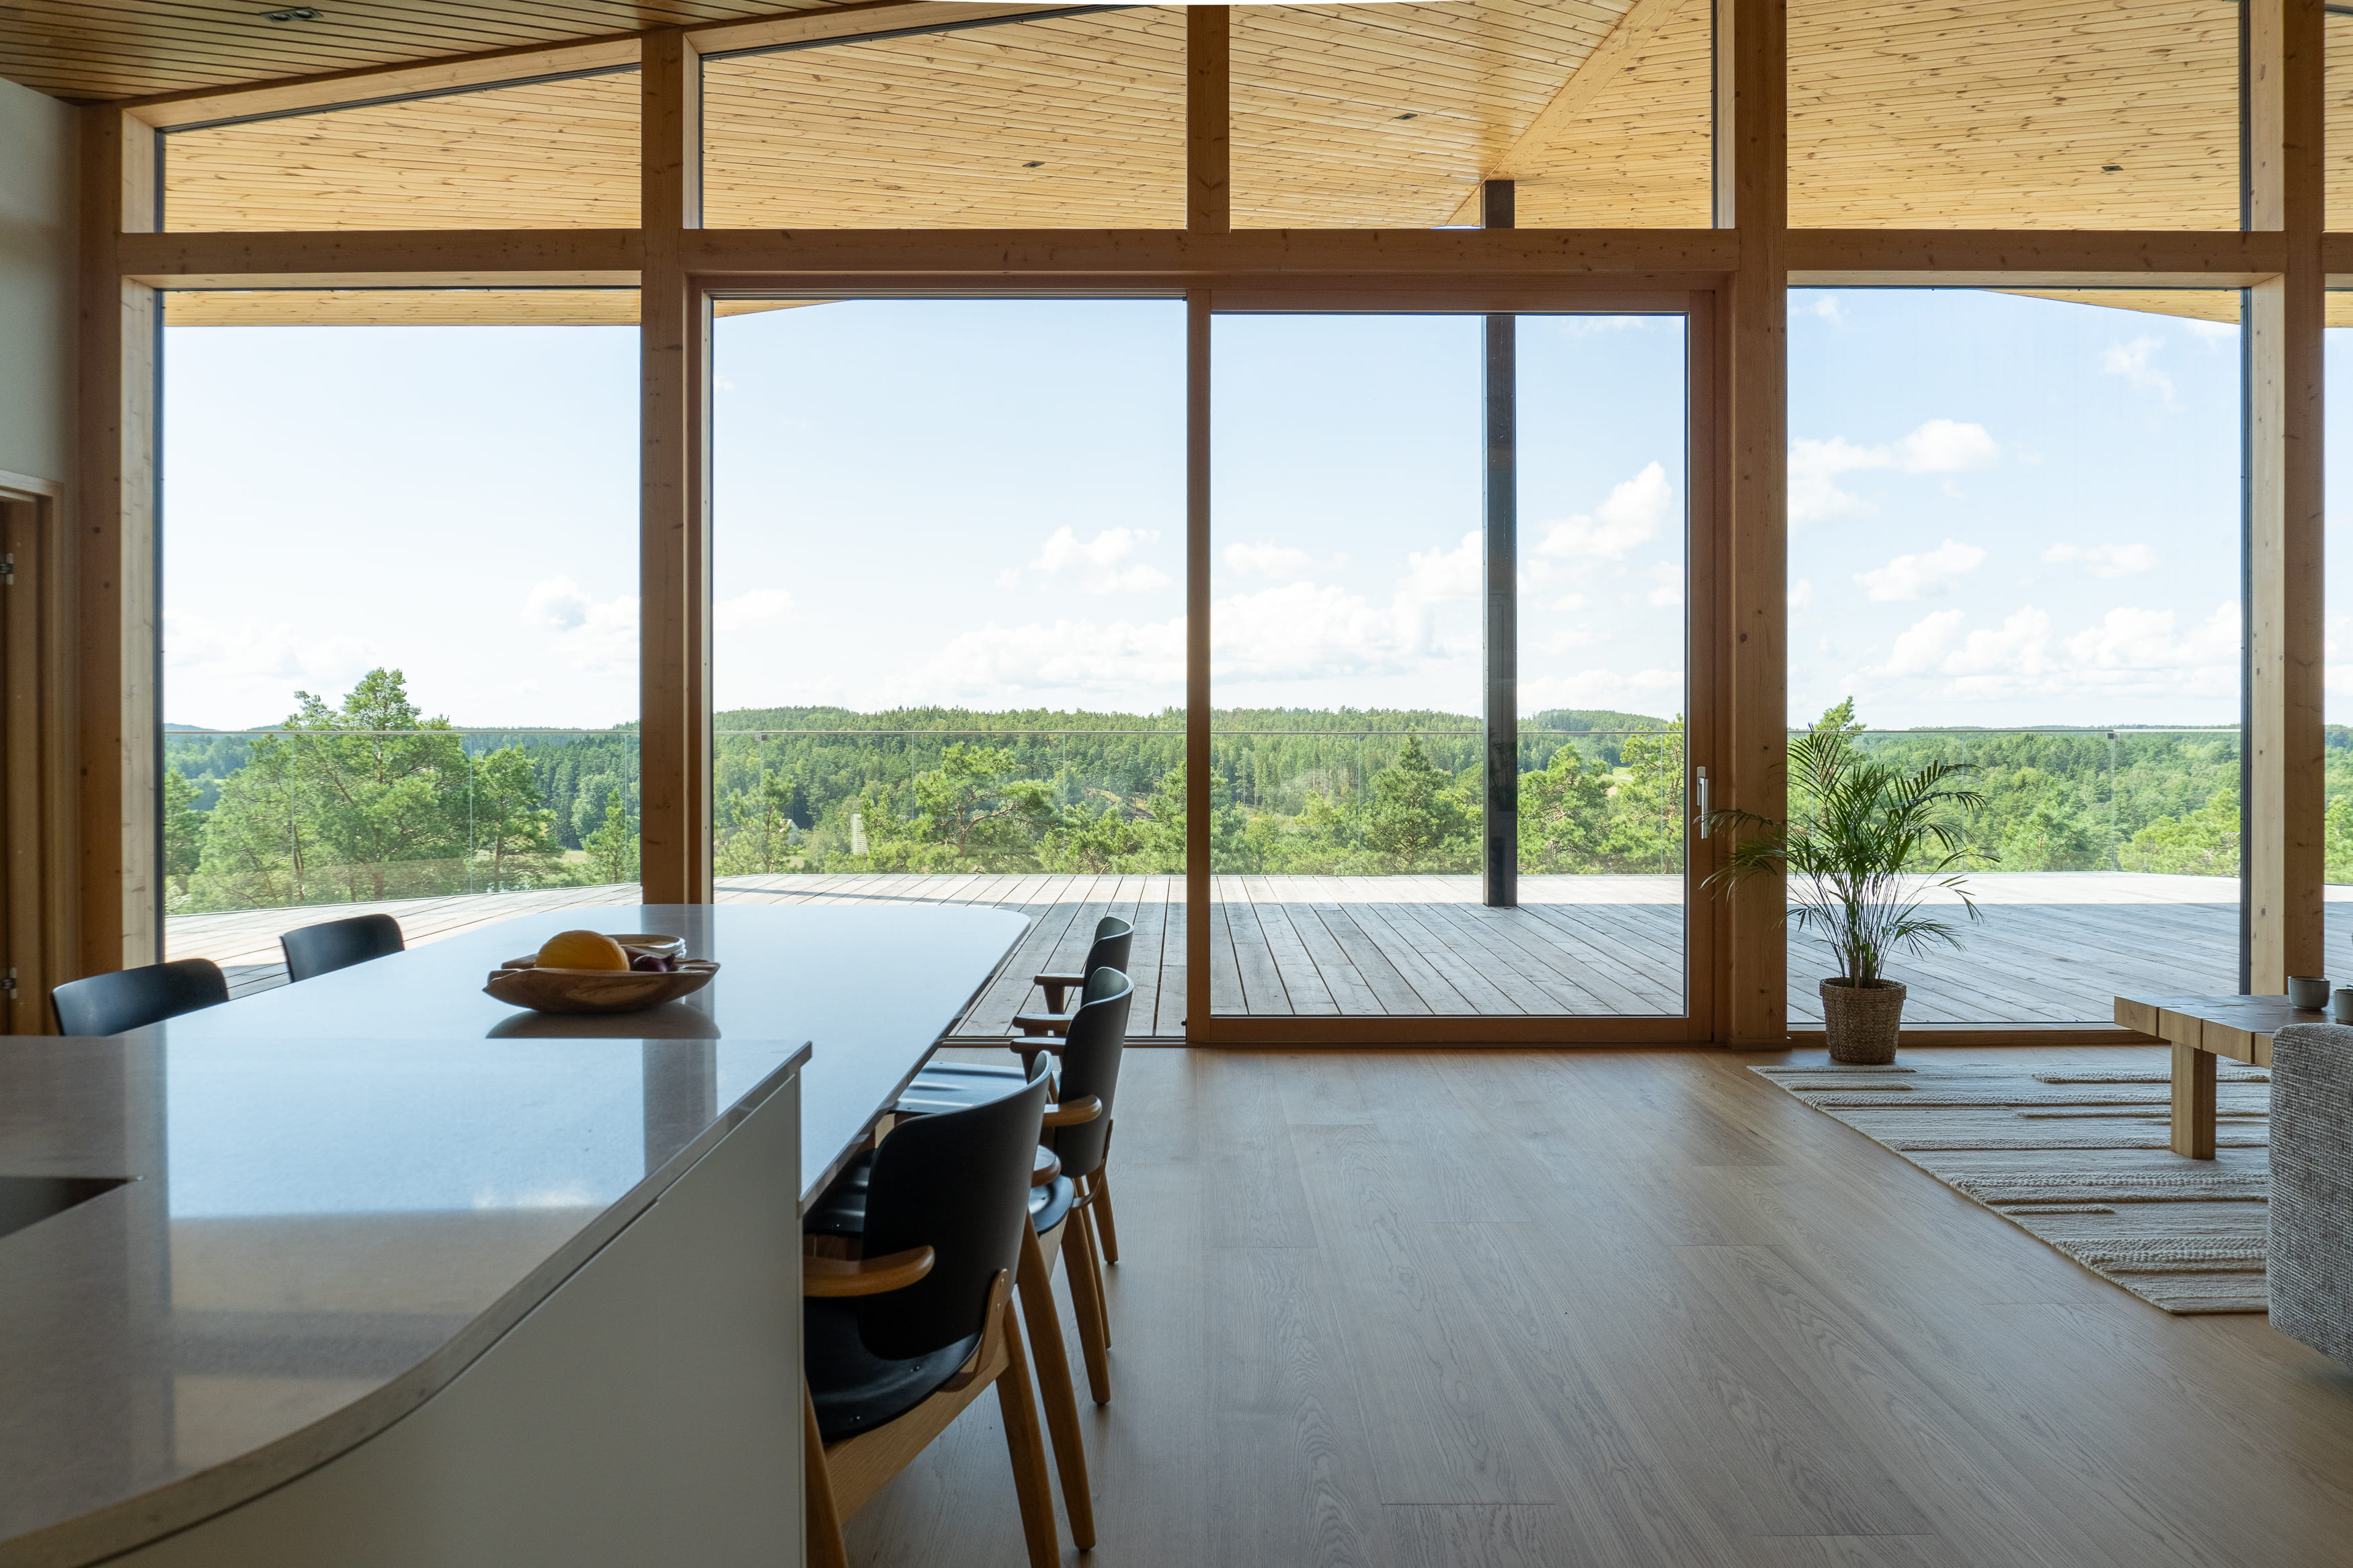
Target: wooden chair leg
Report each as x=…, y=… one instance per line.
x=1054, y=1390
x=1099, y=1183
x=1027, y=1446
x=1086, y=1304
x=1092, y=1255
x=821, y=1522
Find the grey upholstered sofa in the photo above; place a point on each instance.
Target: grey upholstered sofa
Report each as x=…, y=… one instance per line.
x=2311, y=1250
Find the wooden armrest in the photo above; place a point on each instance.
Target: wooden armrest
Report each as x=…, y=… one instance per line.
x=1045, y=1167
x=1035, y=1023
x=864, y=1276
x=1070, y=1112
x=1060, y=979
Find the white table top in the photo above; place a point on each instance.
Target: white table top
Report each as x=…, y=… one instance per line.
x=871, y=988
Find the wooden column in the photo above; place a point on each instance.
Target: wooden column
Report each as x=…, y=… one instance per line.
x=2285, y=320
x=1752, y=769
x=1207, y=188
x=112, y=561
x=674, y=569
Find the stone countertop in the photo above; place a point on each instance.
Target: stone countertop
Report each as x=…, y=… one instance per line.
x=874, y=985
x=313, y=1238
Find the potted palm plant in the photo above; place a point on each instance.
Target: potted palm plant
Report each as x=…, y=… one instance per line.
x=1865, y=845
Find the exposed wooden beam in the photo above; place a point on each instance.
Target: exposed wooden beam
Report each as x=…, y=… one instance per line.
x=1862, y=258
x=1208, y=119
x=1820, y=258
x=583, y=258
x=674, y=534
x=113, y=559
x=1637, y=27
x=1752, y=185
x=2286, y=866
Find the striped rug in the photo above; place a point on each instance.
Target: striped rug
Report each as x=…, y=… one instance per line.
x=2080, y=1157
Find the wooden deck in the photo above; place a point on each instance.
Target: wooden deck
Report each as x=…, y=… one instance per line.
x=2053, y=948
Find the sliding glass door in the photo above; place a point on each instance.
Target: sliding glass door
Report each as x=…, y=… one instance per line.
x=1451, y=672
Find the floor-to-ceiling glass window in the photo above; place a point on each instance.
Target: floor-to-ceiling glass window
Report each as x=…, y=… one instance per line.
x=2015, y=544
x=948, y=638
x=399, y=610
x=1369, y=657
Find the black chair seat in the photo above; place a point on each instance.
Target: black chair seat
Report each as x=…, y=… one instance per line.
x=855, y=1390
x=841, y=1209
x=951, y=1086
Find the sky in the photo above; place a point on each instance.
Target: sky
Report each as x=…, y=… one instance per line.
x=2004, y=510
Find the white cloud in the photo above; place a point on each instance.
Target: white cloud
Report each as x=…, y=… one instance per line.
x=1099, y=563
x=2132, y=640
x=2211, y=331
x=258, y=666
x=1937, y=446
x=1571, y=602
x=1801, y=594
x=1922, y=646
x=2131, y=361
x=2019, y=649
x=1629, y=517
x=2104, y=559
x=1005, y=666
x=1642, y=691
x=593, y=636
x=1666, y=584
x=1910, y=576
x=1442, y=576
x=751, y=609
x=1827, y=308
x=1574, y=636
x=1267, y=560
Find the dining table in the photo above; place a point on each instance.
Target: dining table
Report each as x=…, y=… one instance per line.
x=871, y=988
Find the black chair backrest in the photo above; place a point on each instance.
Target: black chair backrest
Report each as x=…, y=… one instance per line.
x=134, y=998
x=1113, y=936
x=958, y=1182
x=338, y=944
x=1090, y=1065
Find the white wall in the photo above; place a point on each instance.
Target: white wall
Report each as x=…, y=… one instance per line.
x=36, y=283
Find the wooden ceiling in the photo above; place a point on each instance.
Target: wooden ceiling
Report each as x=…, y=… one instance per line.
x=89, y=49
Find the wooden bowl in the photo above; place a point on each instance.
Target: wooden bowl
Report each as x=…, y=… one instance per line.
x=521, y=982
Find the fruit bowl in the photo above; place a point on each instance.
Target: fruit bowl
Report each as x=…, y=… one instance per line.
x=522, y=982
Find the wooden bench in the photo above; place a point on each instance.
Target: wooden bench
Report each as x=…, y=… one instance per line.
x=2199, y=1030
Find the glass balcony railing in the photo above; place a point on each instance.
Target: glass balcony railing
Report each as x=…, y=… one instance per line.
x=300, y=816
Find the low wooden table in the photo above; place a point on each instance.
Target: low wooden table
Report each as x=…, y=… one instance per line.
x=2200, y=1029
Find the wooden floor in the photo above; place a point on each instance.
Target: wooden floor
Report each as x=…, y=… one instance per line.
x=1495, y=1310
x=2052, y=948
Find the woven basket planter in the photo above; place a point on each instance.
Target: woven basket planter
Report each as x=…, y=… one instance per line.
x=1861, y=1025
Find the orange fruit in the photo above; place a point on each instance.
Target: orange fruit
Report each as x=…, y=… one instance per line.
x=582, y=950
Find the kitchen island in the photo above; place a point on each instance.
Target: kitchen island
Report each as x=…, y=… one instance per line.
x=400, y=1303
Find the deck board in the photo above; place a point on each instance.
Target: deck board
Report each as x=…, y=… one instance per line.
x=2052, y=948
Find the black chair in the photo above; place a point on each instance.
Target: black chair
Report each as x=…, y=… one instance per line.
x=134, y=998
x=900, y=1339
x=338, y=944
x=1089, y=1070
x=1114, y=937
x=841, y=1212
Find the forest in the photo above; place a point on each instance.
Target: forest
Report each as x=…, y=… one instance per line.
x=368, y=798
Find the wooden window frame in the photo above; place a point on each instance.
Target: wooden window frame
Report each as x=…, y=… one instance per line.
x=1744, y=268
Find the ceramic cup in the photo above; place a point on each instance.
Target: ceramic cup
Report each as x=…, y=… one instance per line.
x=2340, y=1006
x=2307, y=991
